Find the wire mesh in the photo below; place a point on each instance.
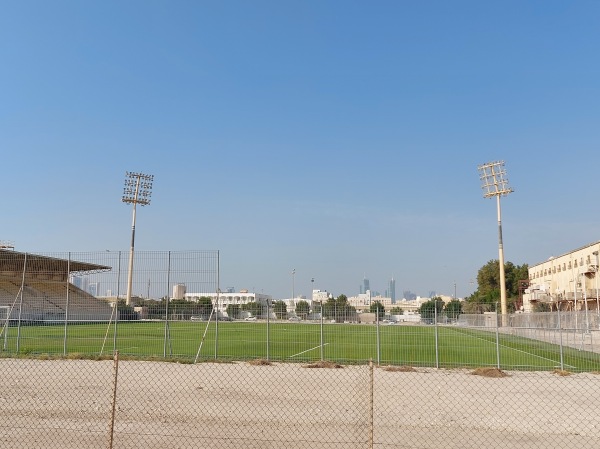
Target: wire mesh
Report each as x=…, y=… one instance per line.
x=82, y=367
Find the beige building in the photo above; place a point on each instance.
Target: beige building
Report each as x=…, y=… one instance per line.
x=569, y=281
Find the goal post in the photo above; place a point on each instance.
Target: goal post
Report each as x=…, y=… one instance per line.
x=4, y=314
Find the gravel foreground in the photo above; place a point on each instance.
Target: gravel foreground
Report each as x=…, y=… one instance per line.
x=68, y=404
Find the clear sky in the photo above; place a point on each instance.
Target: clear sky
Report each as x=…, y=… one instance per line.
x=337, y=138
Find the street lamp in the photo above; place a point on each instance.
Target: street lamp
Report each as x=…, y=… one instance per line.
x=293, y=284
x=138, y=189
x=495, y=183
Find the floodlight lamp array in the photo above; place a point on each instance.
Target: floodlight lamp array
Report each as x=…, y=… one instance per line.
x=138, y=188
x=493, y=179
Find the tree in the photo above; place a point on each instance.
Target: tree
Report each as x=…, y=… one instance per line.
x=302, y=309
x=125, y=312
x=428, y=309
x=541, y=307
x=487, y=296
x=396, y=311
x=377, y=308
x=339, y=309
x=329, y=308
x=280, y=309
x=453, y=309
x=233, y=310
x=205, y=307
x=254, y=308
x=155, y=308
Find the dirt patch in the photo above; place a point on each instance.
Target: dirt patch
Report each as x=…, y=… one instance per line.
x=400, y=369
x=322, y=364
x=560, y=372
x=489, y=372
x=260, y=362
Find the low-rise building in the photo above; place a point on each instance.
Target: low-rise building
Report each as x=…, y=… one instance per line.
x=568, y=281
x=222, y=300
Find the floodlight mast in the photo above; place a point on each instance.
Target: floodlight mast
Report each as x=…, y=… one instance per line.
x=495, y=183
x=138, y=190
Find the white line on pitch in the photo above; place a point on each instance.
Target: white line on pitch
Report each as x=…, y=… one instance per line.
x=311, y=349
x=513, y=349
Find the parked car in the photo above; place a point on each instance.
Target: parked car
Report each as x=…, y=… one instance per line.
x=250, y=318
x=293, y=318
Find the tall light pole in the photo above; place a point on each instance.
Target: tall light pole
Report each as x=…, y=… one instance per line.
x=138, y=189
x=293, y=284
x=495, y=183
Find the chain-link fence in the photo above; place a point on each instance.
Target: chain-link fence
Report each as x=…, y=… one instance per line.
x=135, y=404
x=81, y=368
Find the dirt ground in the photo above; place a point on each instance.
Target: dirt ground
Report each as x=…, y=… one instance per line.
x=68, y=404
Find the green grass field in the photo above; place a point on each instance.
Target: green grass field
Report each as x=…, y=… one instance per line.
x=301, y=342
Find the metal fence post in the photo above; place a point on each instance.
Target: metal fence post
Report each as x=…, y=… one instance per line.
x=371, y=404
x=268, y=329
x=117, y=302
x=497, y=339
x=322, y=348
x=21, y=304
x=114, y=399
x=435, y=322
x=167, y=336
x=218, y=289
x=378, y=338
x=67, y=305
x=562, y=365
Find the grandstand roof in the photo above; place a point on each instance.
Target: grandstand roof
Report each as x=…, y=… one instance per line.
x=14, y=261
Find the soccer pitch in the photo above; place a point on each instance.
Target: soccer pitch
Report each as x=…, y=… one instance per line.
x=301, y=342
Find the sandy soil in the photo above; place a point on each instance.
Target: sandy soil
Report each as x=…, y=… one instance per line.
x=67, y=404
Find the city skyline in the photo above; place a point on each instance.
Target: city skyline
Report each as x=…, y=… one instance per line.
x=336, y=139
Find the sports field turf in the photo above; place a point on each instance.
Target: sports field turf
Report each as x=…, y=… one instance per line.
x=288, y=341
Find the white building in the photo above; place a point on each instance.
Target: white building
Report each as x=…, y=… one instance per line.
x=178, y=291
x=320, y=295
x=569, y=280
x=222, y=300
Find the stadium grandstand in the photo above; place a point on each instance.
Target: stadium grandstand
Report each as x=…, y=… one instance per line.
x=36, y=289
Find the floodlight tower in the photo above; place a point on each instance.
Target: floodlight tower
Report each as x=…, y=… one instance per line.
x=495, y=183
x=138, y=189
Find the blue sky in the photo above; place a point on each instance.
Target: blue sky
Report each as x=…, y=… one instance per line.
x=337, y=138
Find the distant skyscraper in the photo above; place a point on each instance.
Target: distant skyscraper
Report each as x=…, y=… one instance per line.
x=408, y=295
x=366, y=286
x=392, y=290
x=94, y=288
